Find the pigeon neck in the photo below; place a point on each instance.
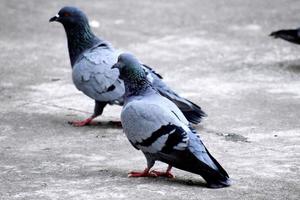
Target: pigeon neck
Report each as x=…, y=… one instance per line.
x=137, y=88
x=80, y=38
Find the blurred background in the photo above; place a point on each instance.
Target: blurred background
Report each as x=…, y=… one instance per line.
x=216, y=53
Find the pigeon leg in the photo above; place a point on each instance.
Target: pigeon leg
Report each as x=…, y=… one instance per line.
x=98, y=110
x=145, y=173
x=167, y=173
x=83, y=122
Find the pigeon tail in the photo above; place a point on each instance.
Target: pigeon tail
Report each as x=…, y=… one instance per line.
x=210, y=170
x=291, y=35
x=216, y=179
x=192, y=112
x=216, y=183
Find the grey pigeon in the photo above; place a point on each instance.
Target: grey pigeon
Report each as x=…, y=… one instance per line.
x=155, y=125
x=291, y=35
x=91, y=60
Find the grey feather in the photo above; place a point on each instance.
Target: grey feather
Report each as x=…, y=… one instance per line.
x=155, y=125
x=147, y=112
x=91, y=59
x=92, y=74
x=144, y=115
x=191, y=111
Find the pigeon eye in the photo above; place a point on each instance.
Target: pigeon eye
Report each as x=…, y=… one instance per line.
x=67, y=14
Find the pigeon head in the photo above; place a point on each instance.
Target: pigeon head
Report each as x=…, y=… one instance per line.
x=130, y=68
x=132, y=73
x=70, y=16
x=79, y=34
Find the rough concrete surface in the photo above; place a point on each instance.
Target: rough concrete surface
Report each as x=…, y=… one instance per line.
x=216, y=53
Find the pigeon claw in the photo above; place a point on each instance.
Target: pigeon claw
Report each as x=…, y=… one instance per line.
x=145, y=173
x=163, y=174
x=81, y=123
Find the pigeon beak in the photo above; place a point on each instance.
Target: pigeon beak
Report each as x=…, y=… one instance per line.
x=116, y=66
x=54, y=19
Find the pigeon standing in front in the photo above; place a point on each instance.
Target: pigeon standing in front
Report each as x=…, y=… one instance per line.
x=291, y=35
x=155, y=125
x=91, y=60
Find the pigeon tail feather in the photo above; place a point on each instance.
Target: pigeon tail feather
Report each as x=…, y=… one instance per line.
x=192, y=112
x=290, y=35
x=221, y=179
x=187, y=161
x=195, y=114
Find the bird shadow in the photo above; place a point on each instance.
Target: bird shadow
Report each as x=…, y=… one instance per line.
x=107, y=124
x=291, y=66
x=179, y=181
x=294, y=68
x=103, y=124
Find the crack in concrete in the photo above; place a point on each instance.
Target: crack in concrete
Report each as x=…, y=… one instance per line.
x=53, y=105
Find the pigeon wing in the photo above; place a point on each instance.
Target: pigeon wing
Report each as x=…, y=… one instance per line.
x=152, y=127
x=92, y=74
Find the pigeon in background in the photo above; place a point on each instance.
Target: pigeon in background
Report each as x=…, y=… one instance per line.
x=291, y=35
x=155, y=125
x=91, y=60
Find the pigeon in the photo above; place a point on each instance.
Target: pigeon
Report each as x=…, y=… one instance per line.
x=155, y=125
x=91, y=60
x=291, y=35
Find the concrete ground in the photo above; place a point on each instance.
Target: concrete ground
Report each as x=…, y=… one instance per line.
x=216, y=53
